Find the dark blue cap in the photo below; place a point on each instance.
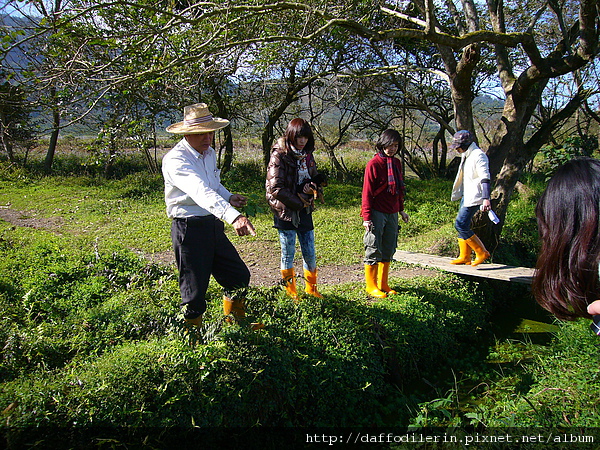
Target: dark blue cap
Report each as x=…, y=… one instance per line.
x=461, y=138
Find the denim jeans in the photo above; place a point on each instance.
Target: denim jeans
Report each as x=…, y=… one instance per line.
x=463, y=220
x=380, y=244
x=287, y=239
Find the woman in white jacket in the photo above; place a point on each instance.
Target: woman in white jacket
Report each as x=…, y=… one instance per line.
x=472, y=188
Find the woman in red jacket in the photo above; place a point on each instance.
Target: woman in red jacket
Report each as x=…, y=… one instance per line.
x=382, y=201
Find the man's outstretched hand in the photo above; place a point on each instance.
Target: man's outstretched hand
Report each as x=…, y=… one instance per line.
x=243, y=226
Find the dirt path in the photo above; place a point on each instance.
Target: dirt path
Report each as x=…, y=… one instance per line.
x=28, y=219
x=262, y=261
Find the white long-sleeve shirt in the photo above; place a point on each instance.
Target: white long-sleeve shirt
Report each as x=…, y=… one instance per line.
x=193, y=184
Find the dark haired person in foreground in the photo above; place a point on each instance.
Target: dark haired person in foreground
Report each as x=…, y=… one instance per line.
x=291, y=184
x=472, y=188
x=199, y=204
x=382, y=201
x=566, y=280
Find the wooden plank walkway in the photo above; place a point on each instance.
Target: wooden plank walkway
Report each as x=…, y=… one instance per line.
x=495, y=271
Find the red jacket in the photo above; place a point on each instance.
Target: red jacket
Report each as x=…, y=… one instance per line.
x=375, y=195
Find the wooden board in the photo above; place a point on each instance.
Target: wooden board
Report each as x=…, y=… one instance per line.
x=495, y=271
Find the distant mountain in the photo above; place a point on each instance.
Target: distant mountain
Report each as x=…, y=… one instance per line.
x=487, y=101
x=18, y=57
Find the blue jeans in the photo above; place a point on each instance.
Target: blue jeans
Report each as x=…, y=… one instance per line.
x=287, y=239
x=463, y=220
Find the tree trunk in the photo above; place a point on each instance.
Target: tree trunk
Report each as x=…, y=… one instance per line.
x=461, y=88
x=7, y=144
x=294, y=85
x=268, y=135
x=507, y=160
x=440, y=152
x=508, y=156
x=338, y=169
x=53, y=141
x=228, y=156
x=4, y=135
x=55, y=132
x=112, y=154
x=223, y=111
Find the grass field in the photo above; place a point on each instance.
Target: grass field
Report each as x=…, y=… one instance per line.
x=92, y=335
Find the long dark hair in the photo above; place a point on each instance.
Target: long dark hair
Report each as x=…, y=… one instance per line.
x=299, y=128
x=386, y=139
x=566, y=276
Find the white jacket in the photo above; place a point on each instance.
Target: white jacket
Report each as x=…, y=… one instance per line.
x=474, y=167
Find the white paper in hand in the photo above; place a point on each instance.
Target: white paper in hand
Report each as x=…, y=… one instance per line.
x=493, y=217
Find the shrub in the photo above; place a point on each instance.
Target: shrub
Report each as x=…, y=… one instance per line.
x=142, y=185
x=574, y=146
x=59, y=304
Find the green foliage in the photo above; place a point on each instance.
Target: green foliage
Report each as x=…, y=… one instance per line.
x=14, y=173
x=60, y=302
x=555, y=387
x=15, y=125
x=253, y=207
x=520, y=241
x=245, y=177
x=142, y=185
x=91, y=162
x=557, y=155
x=431, y=225
x=441, y=412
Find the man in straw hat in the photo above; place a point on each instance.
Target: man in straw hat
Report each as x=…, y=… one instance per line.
x=198, y=204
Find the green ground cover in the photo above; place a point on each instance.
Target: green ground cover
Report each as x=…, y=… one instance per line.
x=92, y=335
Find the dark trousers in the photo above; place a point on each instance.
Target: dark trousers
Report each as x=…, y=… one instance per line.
x=201, y=250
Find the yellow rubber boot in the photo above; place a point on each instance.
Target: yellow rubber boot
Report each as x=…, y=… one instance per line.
x=196, y=322
x=233, y=307
x=481, y=254
x=465, y=253
x=383, y=271
x=238, y=311
x=311, y=283
x=290, y=283
x=371, y=281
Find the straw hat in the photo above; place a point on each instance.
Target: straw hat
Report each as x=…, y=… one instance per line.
x=197, y=119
